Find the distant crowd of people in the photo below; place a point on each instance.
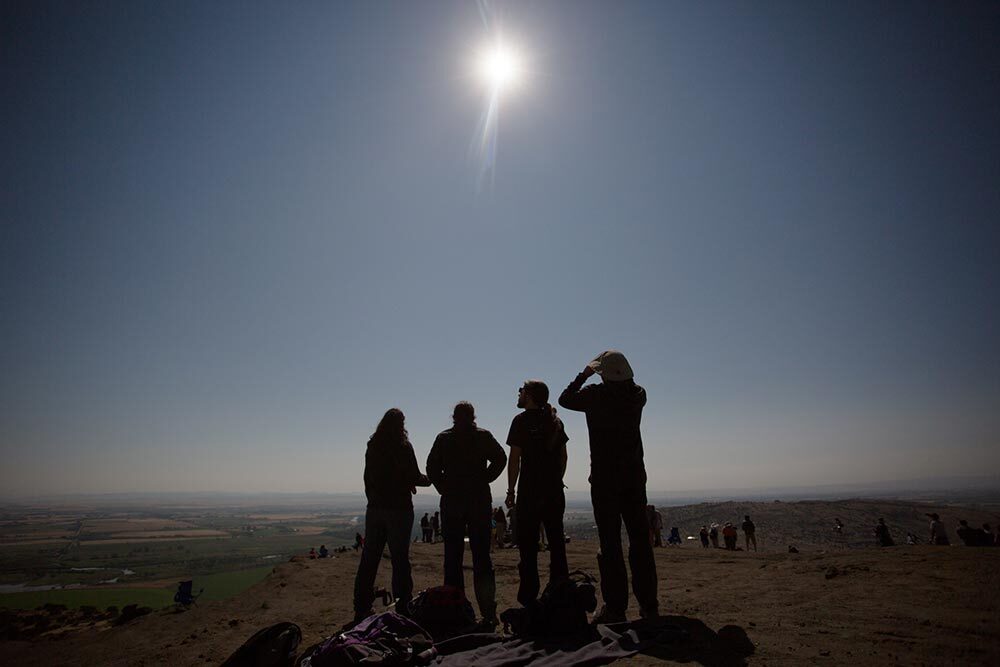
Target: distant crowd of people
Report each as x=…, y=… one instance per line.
x=465, y=459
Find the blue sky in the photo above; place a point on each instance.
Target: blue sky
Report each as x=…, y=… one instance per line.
x=232, y=235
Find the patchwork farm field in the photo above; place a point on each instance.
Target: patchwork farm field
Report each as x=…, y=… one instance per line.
x=114, y=556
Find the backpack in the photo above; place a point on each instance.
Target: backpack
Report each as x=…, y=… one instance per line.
x=444, y=611
x=273, y=646
x=561, y=610
x=382, y=639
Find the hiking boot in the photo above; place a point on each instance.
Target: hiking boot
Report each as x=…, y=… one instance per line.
x=607, y=616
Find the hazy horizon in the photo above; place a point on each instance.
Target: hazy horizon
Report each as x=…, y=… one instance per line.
x=234, y=235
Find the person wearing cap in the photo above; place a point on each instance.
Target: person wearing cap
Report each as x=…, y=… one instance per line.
x=617, y=481
x=536, y=465
x=463, y=461
x=938, y=534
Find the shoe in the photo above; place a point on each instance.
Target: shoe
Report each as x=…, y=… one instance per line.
x=606, y=616
x=649, y=613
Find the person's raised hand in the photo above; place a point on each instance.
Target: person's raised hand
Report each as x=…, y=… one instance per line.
x=587, y=371
x=510, y=500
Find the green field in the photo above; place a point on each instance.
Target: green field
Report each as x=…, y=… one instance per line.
x=217, y=586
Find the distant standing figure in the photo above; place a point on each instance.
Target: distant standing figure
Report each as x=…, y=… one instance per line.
x=426, y=534
x=617, y=482
x=882, y=535
x=675, y=537
x=938, y=534
x=391, y=479
x=657, y=528
x=838, y=526
x=464, y=460
x=703, y=534
x=436, y=526
x=713, y=535
x=359, y=541
x=501, y=522
x=729, y=536
x=749, y=533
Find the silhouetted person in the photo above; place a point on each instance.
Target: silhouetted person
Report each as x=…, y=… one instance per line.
x=749, y=533
x=535, y=467
x=461, y=465
x=703, y=534
x=968, y=535
x=655, y=521
x=713, y=535
x=617, y=481
x=426, y=534
x=391, y=479
x=500, y=519
x=838, y=526
x=882, y=535
x=323, y=551
x=938, y=534
x=729, y=536
x=312, y=553
x=675, y=536
x=436, y=526
x=989, y=540
x=359, y=541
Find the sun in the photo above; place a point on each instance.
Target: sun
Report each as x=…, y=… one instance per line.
x=500, y=67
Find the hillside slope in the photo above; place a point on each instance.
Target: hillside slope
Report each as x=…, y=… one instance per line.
x=912, y=605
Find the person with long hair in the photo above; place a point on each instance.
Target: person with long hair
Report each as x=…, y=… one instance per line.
x=536, y=466
x=391, y=479
x=463, y=461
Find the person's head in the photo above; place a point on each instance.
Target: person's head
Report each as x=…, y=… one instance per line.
x=392, y=427
x=464, y=415
x=612, y=366
x=881, y=520
x=963, y=523
x=987, y=528
x=533, y=395
x=934, y=516
x=746, y=517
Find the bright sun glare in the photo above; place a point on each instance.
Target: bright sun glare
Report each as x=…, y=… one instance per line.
x=500, y=67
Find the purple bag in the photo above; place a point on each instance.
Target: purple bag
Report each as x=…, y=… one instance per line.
x=381, y=639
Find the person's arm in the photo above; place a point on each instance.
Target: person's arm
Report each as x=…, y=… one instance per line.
x=496, y=457
x=513, y=470
x=417, y=478
x=574, y=397
x=435, y=473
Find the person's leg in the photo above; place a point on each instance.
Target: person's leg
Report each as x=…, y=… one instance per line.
x=640, y=553
x=483, y=578
x=552, y=520
x=753, y=538
x=527, y=524
x=399, y=527
x=453, y=532
x=371, y=554
x=610, y=561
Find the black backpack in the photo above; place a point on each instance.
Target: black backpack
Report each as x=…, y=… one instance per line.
x=561, y=610
x=274, y=646
x=443, y=611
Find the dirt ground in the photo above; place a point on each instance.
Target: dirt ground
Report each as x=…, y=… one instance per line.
x=904, y=605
